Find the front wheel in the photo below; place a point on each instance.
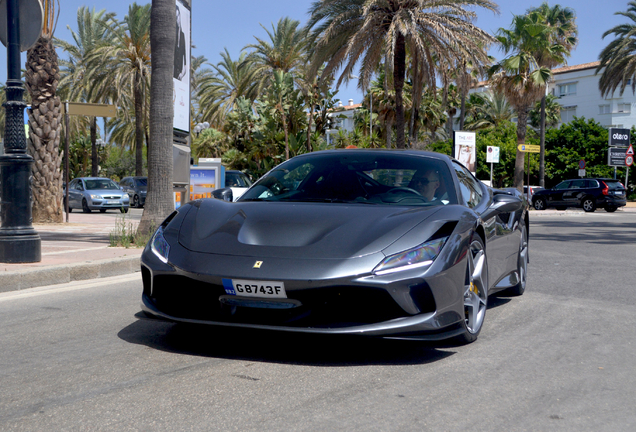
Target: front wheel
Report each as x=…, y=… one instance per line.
x=85, y=207
x=135, y=202
x=475, y=292
x=588, y=204
x=539, y=204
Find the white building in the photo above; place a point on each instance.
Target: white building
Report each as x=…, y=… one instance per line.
x=579, y=95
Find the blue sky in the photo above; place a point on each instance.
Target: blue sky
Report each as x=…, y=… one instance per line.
x=233, y=24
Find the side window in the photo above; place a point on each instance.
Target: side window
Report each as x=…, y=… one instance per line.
x=563, y=185
x=591, y=184
x=469, y=186
x=577, y=184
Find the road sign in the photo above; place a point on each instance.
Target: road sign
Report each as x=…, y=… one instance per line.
x=30, y=22
x=581, y=164
x=529, y=148
x=492, y=154
x=629, y=160
x=616, y=156
x=630, y=150
x=91, y=109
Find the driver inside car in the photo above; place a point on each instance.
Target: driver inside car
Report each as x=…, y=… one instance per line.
x=426, y=183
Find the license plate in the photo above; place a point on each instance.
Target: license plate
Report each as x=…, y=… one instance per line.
x=112, y=202
x=253, y=288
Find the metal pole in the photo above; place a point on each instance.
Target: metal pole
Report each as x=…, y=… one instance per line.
x=491, y=164
x=66, y=163
x=370, y=114
x=19, y=242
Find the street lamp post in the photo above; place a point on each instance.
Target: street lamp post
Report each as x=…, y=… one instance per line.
x=19, y=242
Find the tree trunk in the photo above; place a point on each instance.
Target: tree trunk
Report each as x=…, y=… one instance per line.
x=159, y=201
x=542, y=144
x=462, y=114
x=45, y=125
x=311, y=116
x=522, y=119
x=139, y=126
x=94, y=156
x=399, y=71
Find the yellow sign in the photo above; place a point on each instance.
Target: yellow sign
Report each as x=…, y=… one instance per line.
x=91, y=109
x=530, y=148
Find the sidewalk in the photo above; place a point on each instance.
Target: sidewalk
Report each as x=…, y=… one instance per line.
x=77, y=250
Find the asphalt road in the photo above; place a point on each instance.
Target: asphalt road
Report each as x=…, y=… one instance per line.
x=559, y=358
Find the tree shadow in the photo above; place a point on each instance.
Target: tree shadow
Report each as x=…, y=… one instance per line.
x=280, y=347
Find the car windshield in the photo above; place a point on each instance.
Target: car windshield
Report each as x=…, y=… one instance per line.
x=352, y=176
x=141, y=182
x=234, y=179
x=98, y=184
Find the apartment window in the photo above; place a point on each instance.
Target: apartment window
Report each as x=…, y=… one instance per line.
x=624, y=108
x=603, y=109
x=567, y=114
x=567, y=89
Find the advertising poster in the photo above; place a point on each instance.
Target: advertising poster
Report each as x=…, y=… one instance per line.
x=181, y=77
x=202, y=183
x=465, y=149
x=492, y=154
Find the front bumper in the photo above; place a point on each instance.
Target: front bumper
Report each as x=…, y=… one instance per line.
x=108, y=204
x=415, y=304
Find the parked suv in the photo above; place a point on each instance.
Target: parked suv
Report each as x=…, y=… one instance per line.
x=590, y=194
x=136, y=188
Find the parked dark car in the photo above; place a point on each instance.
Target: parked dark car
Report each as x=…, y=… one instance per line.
x=136, y=188
x=397, y=244
x=96, y=193
x=589, y=194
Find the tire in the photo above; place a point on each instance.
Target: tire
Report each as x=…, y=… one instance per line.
x=522, y=264
x=539, y=204
x=475, y=292
x=102, y=210
x=123, y=209
x=135, y=202
x=611, y=209
x=85, y=207
x=588, y=204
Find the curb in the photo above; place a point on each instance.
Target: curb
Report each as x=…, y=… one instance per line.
x=59, y=274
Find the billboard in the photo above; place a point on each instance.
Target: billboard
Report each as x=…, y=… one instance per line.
x=618, y=137
x=465, y=149
x=181, y=75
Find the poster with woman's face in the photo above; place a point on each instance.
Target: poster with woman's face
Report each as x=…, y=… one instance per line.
x=181, y=74
x=465, y=149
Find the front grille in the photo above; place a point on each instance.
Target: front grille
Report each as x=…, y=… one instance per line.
x=330, y=307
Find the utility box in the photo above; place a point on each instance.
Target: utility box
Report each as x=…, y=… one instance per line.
x=180, y=174
x=206, y=177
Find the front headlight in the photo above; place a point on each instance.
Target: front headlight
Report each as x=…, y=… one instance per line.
x=125, y=198
x=421, y=256
x=160, y=246
x=97, y=197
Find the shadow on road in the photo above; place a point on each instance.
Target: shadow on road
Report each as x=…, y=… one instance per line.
x=276, y=347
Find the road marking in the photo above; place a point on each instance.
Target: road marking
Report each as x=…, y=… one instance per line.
x=71, y=286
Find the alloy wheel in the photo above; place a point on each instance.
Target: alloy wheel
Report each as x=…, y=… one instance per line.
x=476, y=288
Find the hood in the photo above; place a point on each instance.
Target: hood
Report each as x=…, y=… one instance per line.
x=296, y=230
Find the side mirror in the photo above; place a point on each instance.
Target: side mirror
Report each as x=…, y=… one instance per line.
x=505, y=203
x=224, y=194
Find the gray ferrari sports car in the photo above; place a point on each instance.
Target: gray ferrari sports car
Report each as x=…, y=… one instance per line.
x=399, y=244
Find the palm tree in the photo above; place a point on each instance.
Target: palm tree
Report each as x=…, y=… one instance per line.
x=160, y=201
x=93, y=30
x=487, y=111
x=546, y=112
x=519, y=76
x=562, y=40
x=45, y=122
x=124, y=65
x=219, y=88
x=618, y=58
x=437, y=33
x=285, y=50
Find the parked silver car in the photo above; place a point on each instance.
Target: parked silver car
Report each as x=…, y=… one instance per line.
x=96, y=193
x=136, y=188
